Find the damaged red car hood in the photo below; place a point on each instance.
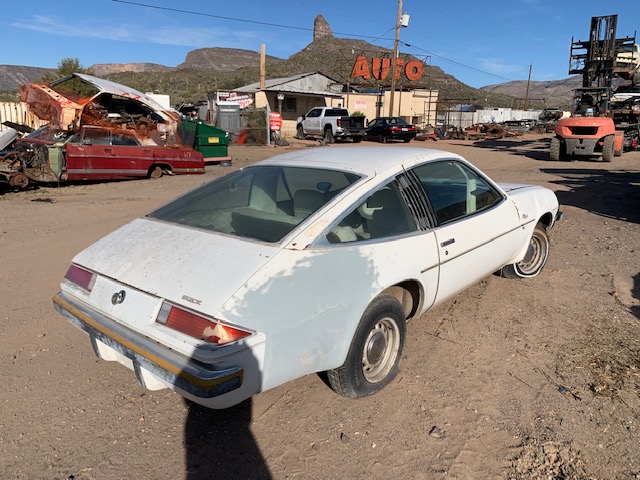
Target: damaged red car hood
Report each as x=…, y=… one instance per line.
x=64, y=110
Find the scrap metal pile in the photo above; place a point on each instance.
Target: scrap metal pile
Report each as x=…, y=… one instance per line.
x=72, y=104
x=480, y=131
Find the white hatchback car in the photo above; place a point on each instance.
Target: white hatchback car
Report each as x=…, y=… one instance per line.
x=307, y=262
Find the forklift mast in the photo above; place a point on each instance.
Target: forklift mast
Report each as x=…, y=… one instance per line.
x=597, y=61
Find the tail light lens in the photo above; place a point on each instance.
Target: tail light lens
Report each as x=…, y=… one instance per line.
x=81, y=277
x=338, y=122
x=197, y=326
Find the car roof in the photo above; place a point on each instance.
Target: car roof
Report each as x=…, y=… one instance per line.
x=363, y=160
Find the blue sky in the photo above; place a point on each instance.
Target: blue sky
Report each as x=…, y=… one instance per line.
x=478, y=42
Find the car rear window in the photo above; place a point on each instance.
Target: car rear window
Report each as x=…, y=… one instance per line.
x=336, y=112
x=263, y=203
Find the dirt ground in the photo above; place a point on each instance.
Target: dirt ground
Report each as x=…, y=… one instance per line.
x=535, y=378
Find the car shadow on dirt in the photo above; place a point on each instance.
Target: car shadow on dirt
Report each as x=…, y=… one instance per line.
x=535, y=148
x=219, y=444
x=612, y=194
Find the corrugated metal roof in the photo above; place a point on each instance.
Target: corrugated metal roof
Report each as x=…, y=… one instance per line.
x=286, y=85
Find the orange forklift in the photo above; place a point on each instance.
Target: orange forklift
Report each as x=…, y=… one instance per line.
x=596, y=127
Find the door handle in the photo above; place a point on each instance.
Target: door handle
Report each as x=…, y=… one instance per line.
x=446, y=243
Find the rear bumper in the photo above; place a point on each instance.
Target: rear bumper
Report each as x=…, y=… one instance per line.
x=155, y=365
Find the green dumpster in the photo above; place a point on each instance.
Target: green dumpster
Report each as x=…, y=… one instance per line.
x=210, y=141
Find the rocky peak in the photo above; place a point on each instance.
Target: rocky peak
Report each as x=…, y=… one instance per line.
x=321, y=28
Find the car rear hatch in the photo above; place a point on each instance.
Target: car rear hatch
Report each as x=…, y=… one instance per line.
x=147, y=263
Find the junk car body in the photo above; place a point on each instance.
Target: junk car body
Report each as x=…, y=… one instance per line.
x=97, y=130
x=93, y=153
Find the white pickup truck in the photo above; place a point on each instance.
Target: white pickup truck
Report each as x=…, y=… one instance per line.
x=330, y=123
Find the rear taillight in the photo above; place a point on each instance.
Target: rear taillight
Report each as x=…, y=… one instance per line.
x=198, y=327
x=81, y=277
x=338, y=122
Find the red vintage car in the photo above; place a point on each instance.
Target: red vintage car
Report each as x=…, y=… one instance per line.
x=93, y=153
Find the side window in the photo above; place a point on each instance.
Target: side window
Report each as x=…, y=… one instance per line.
x=314, y=113
x=383, y=214
x=454, y=190
x=124, y=139
x=94, y=136
x=373, y=123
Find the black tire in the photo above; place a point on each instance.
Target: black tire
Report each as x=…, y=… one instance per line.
x=300, y=132
x=534, y=260
x=382, y=138
x=374, y=356
x=155, y=171
x=357, y=139
x=554, y=149
x=407, y=140
x=607, y=148
x=328, y=135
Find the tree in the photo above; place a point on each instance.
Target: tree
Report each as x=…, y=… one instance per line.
x=66, y=66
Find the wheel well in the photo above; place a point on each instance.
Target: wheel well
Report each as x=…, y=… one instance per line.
x=546, y=220
x=163, y=166
x=408, y=293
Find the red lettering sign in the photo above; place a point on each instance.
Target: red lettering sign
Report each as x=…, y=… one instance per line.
x=380, y=67
x=414, y=70
x=361, y=68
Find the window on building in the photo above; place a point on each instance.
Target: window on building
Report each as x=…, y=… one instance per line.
x=290, y=105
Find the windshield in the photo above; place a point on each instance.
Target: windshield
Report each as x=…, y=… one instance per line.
x=263, y=203
x=49, y=135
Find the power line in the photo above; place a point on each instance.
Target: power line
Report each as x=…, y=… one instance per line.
x=456, y=63
x=242, y=20
x=291, y=27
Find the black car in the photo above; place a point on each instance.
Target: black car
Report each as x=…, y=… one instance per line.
x=390, y=128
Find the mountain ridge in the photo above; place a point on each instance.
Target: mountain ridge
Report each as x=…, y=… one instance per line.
x=209, y=69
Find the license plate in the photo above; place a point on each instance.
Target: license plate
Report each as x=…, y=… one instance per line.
x=405, y=129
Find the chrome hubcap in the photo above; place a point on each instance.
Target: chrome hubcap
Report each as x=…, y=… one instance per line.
x=380, y=350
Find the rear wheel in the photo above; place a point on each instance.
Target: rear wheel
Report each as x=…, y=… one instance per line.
x=300, y=132
x=357, y=139
x=607, y=148
x=382, y=138
x=374, y=356
x=534, y=259
x=328, y=135
x=407, y=140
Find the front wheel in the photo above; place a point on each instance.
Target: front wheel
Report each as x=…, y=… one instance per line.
x=554, y=149
x=534, y=259
x=155, y=171
x=300, y=132
x=608, y=148
x=374, y=356
x=382, y=138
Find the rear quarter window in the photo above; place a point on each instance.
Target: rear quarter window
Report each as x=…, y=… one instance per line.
x=336, y=112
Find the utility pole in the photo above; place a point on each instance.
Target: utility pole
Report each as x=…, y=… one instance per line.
x=395, y=58
x=526, y=98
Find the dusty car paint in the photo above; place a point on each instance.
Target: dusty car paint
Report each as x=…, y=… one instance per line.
x=302, y=297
